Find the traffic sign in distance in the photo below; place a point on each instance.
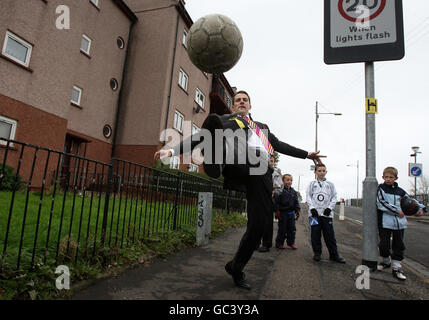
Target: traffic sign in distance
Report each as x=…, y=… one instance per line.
x=415, y=169
x=363, y=31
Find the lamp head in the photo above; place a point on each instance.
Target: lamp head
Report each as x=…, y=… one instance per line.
x=415, y=149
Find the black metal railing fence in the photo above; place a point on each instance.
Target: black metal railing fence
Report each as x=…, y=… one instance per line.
x=55, y=205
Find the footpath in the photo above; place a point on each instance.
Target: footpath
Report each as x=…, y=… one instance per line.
x=198, y=274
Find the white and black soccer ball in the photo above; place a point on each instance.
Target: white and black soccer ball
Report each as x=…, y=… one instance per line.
x=214, y=43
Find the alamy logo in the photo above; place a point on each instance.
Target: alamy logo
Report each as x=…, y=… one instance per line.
x=362, y=281
x=63, y=281
x=222, y=147
x=63, y=20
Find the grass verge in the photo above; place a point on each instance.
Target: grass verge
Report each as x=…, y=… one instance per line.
x=40, y=282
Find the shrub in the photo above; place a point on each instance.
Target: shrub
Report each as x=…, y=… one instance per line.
x=8, y=177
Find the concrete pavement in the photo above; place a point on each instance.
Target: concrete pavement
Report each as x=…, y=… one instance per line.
x=198, y=274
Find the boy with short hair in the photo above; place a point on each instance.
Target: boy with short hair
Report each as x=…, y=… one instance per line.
x=287, y=206
x=392, y=222
x=321, y=200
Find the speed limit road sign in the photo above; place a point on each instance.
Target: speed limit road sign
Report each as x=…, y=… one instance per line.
x=363, y=31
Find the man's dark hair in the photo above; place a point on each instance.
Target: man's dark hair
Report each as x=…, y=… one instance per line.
x=241, y=91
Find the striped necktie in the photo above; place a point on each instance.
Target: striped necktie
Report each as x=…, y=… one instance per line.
x=260, y=134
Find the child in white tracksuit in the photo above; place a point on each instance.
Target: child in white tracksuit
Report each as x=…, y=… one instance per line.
x=321, y=200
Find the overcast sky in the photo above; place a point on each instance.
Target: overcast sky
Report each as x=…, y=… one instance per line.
x=283, y=70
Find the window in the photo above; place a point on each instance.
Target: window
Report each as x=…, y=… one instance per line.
x=7, y=129
x=120, y=42
x=175, y=162
x=195, y=129
x=185, y=36
x=178, y=121
x=17, y=49
x=228, y=101
x=85, y=44
x=114, y=84
x=107, y=131
x=76, y=95
x=94, y=2
x=193, y=167
x=199, y=98
x=183, y=80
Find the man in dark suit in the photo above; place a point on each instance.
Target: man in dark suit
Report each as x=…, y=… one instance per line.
x=253, y=178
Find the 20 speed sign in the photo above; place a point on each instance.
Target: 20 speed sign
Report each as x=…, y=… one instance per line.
x=363, y=30
x=355, y=11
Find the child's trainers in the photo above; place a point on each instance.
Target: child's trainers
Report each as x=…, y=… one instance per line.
x=383, y=266
x=399, y=274
x=293, y=246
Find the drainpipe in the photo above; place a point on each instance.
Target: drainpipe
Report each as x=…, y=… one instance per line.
x=115, y=129
x=171, y=76
x=124, y=73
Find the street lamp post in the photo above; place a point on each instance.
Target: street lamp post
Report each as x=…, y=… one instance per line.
x=357, y=178
x=416, y=151
x=317, y=121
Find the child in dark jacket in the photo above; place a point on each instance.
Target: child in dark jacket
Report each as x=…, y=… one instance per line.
x=287, y=206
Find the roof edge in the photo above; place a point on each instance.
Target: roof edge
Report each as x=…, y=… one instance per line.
x=126, y=10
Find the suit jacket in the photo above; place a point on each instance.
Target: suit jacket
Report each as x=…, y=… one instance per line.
x=235, y=174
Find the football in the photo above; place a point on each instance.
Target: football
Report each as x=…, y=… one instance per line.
x=214, y=43
x=409, y=206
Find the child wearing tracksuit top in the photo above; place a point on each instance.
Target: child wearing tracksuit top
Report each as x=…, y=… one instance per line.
x=321, y=200
x=392, y=222
x=287, y=206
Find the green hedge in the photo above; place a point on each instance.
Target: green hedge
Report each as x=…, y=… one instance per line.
x=8, y=177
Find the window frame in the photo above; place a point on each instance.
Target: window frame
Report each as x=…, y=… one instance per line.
x=80, y=96
x=193, y=167
x=195, y=129
x=14, y=124
x=184, y=38
x=175, y=162
x=21, y=41
x=96, y=3
x=197, y=93
x=89, y=45
x=177, y=115
x=182, y=75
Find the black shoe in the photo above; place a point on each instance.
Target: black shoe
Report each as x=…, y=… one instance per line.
x=338, y=259
x=263, y=249
x=239, y=278
x=228, y=268
x=317, y=257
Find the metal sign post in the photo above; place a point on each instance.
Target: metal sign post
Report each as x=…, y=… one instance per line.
x=370, y=222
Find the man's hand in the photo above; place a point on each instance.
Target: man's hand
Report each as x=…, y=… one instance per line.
x=161, y=154
x=315, y=156
x=401, y=214
x=296, y=215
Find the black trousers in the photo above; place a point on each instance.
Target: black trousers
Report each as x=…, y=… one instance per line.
x=259, y=210
x=326, y=228
x=287, y=229
x=397, y=242
x=267, y=237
